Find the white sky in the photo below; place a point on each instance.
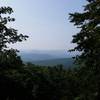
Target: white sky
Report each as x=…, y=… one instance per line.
x=45, y=21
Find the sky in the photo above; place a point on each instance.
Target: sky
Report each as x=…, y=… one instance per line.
x=46, y=22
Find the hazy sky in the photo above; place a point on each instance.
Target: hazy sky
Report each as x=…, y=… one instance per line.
x=45, y=21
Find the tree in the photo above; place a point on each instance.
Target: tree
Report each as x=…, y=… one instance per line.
x=88, y=41
x=7, y=36
x=10, y=63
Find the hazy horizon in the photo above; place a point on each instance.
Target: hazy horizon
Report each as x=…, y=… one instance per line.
x=45, y=22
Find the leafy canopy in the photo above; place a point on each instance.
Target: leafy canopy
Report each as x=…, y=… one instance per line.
x=88, y=39
x=8, y=35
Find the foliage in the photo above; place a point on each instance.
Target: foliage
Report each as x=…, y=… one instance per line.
x=88, y=43
x=10, y=62
x=53, y=83
x=8, y=35
x=88, y=39
x=32, y=82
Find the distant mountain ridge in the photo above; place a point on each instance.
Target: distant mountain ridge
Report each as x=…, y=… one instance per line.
x=47, y=57
x=35, y=57
x=44, y=54
x=66, y=62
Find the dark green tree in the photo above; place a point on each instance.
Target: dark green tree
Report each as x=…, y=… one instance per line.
x=88, y=39
x=88, y=43
x=8, y=35
x=11, y=88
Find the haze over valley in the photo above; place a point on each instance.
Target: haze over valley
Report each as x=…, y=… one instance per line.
x=48, y=57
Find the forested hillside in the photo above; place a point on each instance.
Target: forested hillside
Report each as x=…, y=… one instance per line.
x=66, y=62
